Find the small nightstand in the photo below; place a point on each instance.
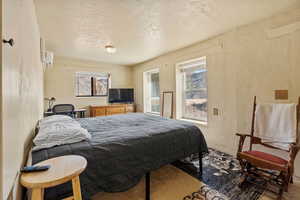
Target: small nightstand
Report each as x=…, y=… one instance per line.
x=62, y=169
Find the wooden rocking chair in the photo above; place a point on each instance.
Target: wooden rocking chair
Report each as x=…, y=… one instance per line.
x=274, y=170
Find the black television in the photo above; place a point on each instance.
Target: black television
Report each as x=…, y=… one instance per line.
x=120, y=95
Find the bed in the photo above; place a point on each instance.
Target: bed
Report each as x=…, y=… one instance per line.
x=123, y=148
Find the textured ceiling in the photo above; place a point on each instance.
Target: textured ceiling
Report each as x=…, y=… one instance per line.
x=141, y=29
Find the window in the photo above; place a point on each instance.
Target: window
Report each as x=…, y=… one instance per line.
x=191, y=88
x=90, y=84
x=151, y=91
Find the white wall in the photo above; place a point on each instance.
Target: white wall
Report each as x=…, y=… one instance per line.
x=60, y=80
x=250, y=60
x=22, y=87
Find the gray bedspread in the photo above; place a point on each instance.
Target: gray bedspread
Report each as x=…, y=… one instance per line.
x=123, y=148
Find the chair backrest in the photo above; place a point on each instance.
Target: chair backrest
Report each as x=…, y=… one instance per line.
x=64, y=109
x=256, y=140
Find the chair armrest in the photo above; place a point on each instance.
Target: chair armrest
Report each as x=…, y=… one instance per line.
x=242, y=140
x=243, y=135
x=294, y=148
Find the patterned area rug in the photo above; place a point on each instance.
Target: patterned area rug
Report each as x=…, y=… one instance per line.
x=221, y=174
x=206, y=193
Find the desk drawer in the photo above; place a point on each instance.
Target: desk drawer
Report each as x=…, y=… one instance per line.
x=98, y=112
x=115, y=110
x=130, y=108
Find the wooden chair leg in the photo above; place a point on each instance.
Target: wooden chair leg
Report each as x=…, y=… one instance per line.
x=286, y=183
x=280, y=194
x=243, y=180
x=76, y=188
x=287, y=186
x=37, y=194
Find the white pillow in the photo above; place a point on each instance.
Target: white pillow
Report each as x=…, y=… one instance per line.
x=58, y=133
x=54, y=118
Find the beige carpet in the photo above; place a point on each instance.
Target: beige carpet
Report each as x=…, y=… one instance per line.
x=167, y=183
x=170, y=183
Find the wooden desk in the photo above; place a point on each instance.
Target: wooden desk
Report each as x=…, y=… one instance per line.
x=79, y=113
x=62, y=169
x=111, y=109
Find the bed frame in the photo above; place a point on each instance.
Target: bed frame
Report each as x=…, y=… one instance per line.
x=148, y=178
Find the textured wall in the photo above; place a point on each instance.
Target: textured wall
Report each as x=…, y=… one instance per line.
x=60, y=80
x=250, y=60
x=22, y=86
x=1, y=132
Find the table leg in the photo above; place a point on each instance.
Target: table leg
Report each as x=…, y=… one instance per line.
x=147, y=184
x=76, y=188
x=43, y=191
x=37, y=194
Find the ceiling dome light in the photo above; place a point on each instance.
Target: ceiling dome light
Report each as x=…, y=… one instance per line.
x=110, y=49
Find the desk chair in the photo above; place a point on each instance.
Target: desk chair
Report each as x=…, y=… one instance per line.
x=64, y=109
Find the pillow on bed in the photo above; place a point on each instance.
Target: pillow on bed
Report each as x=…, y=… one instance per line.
x=54, y=118
x=56, y=133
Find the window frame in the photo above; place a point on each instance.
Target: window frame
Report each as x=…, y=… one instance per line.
x=147, y=89
x=92, y=85
x=180, y=87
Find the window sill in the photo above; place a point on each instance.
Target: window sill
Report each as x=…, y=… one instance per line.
x=195, y=122
x=153, y=113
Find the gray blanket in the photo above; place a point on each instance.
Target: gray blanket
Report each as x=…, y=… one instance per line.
x=123, y=148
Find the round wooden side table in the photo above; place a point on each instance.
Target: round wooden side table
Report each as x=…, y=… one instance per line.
x=62, y=169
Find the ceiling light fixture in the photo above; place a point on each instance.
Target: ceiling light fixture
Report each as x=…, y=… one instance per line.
x=110, y=49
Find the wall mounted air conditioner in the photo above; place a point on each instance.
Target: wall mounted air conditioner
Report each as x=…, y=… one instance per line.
x=47, y=57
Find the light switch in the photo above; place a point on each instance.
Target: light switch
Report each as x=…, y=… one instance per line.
x=215, y=111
